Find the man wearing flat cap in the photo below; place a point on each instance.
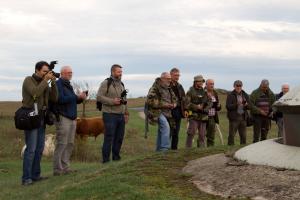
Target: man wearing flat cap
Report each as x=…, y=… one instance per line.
x=237, y=104
x=196, y=105
x=262, y=99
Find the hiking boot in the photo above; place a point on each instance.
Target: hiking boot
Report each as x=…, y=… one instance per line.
x=58, y=173
x=69, y=171
x=41, y=178
x=27, y=182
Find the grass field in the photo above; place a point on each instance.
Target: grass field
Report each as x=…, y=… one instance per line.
x=142, y=173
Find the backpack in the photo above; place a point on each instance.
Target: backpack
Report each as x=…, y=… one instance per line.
x=109, y=82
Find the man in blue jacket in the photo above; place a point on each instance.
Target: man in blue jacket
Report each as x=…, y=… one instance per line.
x=66, y=112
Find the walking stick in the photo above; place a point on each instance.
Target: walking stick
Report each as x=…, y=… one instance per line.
x=220, y=134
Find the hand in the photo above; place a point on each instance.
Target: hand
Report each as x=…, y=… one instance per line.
x=200, y=107
x=117, y=101
x=126, y=118
x=49, y=76
x=263, y=113
x=82, y=95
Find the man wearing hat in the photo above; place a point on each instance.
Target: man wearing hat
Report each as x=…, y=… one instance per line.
x=196, y=105
x=237, y=103
x=262, y=99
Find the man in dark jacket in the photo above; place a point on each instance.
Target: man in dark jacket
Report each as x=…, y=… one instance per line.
x=66, y=109
x=177, y=112
x=237, y=103
x=262, y=99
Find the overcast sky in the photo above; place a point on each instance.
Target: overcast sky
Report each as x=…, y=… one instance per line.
x=224, y=40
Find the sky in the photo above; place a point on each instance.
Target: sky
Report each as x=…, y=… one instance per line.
x=227, y=40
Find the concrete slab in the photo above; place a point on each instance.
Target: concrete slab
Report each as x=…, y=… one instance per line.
x=271, y=153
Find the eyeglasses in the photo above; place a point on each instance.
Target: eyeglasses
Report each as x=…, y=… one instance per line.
x=238, y=85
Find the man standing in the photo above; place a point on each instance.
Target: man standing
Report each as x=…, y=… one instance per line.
x=35, y=90
x=196, y=105
x=161, y=101
x=213, y=117
x=279, y=116
x=115, y=113
x=177, y=112
x=66, y=113
x=262, y=99
x=237, y=103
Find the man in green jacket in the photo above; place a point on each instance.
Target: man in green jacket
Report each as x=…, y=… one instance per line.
x=262, y=99
x=35, y=89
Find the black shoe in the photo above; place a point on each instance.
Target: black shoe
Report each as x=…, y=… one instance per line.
x=27, y=182
x=41, y=178
x=117, y=158
x=105, y=161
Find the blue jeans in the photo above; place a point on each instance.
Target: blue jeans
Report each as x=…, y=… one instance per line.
x=113, y=136
x=35, y=142
x=163, y=134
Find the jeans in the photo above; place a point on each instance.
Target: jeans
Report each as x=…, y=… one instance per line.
x=113, y=136
x=280, y=126
x=35, y=142
x=163, y=134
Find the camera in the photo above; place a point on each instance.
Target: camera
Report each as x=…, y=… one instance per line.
x=86, y=92
x=51, y=67
x=123, y=99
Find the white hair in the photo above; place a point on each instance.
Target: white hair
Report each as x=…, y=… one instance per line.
x=63, y=68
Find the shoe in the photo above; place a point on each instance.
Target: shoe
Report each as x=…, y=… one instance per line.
x=58, y=173
x=69, y=171
x=105, y=161
x=41, y=178
x=27, y=182
x=117, y=158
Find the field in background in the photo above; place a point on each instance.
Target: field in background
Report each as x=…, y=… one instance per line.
x=142, y=173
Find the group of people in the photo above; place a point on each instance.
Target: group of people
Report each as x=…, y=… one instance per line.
x=167, y=104
x=57, y=95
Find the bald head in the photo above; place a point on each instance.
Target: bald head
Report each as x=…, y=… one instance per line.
x=66, y=73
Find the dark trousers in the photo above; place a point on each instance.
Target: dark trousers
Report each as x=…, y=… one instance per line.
x=234, y=126
x=261, y=128
x=174, y=134
x=210, y=131
x=113, y=136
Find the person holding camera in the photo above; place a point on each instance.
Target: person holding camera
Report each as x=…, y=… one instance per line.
x=65, y=110
x=237, y=104
x=112, y=95
x=213, y=117
x=36, y=93
x=262, y=99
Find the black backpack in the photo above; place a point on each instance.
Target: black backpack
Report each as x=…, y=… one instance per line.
x=109, y=82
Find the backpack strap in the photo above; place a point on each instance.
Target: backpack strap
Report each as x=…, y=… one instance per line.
x=110, y=81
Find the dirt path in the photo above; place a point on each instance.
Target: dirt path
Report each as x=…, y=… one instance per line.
x=222, y=176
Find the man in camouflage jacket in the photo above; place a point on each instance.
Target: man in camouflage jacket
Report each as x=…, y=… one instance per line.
x=161, y=100
x=197, y=105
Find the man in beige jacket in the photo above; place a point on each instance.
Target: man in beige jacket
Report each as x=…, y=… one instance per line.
x=115, y=113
